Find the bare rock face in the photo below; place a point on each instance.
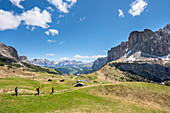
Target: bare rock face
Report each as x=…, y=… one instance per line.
x=154, y=44
x=24, y=59
x=8, y=52
x=99, y=63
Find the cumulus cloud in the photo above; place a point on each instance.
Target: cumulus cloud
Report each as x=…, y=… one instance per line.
x=8, y=20
x=137, y=7
x=89, y=57
x=50, y=54
x=35, y=17
x=65, y=58
x=17, y=3
x=53, y=32
x=61, y=5
x=51, y=41
x=121, y=14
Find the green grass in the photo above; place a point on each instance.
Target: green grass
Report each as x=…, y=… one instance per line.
x=30, y=84
x=129, y=97
x=72, y=101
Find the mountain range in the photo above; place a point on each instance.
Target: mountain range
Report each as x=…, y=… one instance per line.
x=146, y=54
x=141, y=46
x=60, y=63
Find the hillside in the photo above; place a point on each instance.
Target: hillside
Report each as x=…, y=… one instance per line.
x=115, y=98
x=13, y=64
x=79, y=69
x=138, y=71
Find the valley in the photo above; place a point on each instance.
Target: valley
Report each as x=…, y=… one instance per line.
x=130, y=79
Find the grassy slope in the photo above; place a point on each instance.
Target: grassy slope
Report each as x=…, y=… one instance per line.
x=111, y=73
x=122, y=97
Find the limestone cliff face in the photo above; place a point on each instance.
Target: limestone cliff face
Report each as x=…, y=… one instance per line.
x=8, y=52
x=99, y=63
x=156, y=44
x=23, y=59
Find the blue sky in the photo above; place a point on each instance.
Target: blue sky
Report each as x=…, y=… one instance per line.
x=76, y=29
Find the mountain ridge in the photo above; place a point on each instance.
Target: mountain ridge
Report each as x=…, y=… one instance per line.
x=60, y=63
x=144, y=45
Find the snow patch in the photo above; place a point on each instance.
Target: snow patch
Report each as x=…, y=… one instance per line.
x=128, y=53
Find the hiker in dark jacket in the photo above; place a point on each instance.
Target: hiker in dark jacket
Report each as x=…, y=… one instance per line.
x=38, y=91
x=52, y=91
x=16, y=92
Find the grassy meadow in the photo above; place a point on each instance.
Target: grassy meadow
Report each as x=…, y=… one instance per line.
x=118, y=97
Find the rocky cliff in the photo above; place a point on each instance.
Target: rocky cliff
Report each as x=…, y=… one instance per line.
x=10, y=54
x=8, y=51
x=23, y=59
x=99, y=63
x=150, y=44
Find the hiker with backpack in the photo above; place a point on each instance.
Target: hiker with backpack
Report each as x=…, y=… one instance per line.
x=16, y=91
x=38, y=91
x=52, y=91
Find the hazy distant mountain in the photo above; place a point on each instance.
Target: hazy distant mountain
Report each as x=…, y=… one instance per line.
x=61, y=63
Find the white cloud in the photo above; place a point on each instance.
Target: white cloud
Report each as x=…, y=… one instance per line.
x=51, y=41
x=82, y=19
x=50, y=54
x=51, y=9
x=35, y=17
x=17, y=3
x=89, y=57
x=53, y=32
x=61, y=5
x=8, y=20
x=137, y=7
x=121, y=13
x=64, y=58
x=30, y=28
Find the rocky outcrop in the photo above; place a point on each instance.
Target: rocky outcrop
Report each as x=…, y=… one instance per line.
x=99, y=63
x=23, y=59
x=149, y=43
x=8, y=51
x=10, y=54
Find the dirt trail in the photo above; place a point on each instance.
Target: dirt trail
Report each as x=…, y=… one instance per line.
x=69, y=90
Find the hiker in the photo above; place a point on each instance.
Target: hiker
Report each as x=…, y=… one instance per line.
x=52, y=91
x=16, y=92
x=38, y=91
